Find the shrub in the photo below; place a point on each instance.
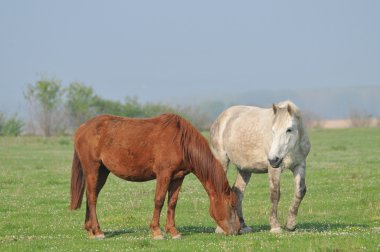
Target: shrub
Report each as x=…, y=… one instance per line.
x=10, y=126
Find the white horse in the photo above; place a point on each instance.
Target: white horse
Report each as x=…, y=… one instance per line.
x=263, y=140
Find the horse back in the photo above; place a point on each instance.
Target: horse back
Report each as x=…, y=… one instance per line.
x=133, y=149
x=218, y=127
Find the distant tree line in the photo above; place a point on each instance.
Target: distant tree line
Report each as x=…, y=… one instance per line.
x=55, y=109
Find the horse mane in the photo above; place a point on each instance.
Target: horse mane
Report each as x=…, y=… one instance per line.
x=295, y=109
x=197, y=153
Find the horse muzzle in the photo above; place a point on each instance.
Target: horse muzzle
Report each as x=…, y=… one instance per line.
x=233, y=230
x=233, y=225
x=275, y=162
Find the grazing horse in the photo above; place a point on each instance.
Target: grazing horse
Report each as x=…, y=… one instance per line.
x=263, y=140
x=165, y=148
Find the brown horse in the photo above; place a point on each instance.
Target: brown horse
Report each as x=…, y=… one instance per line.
x=165, y=148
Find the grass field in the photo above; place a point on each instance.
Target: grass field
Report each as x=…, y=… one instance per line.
x=340, y=212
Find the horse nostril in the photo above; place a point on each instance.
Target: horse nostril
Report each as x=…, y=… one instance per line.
x=275, y=162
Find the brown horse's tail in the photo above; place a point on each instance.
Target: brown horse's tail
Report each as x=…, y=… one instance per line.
x=78, y=183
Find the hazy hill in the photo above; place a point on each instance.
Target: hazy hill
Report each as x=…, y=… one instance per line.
x=325, y=103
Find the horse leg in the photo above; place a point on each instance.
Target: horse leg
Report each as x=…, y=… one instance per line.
x=95, y=182
x=274, y=184
x=162, y=185
x=174, y=188
x=241, y=182
x=300, y=191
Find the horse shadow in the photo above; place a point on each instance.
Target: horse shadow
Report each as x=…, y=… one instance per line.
x=184, y=230
x=318, y=227
x=189, y=230
x=324, y=227
x=315, y=227
x=121, y=232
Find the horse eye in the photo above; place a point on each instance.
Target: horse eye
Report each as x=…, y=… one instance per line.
x=289, y=130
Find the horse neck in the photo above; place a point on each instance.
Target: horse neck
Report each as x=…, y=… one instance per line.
x=199, y=157
x=303, y=139
x=214, y=182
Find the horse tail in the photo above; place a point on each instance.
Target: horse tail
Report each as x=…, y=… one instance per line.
x=77, y=183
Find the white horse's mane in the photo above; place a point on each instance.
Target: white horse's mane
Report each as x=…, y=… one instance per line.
x=294, y=108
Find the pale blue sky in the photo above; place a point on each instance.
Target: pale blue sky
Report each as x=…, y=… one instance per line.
x=162, y=50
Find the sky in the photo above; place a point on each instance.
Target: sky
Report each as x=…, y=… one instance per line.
x=168, y=50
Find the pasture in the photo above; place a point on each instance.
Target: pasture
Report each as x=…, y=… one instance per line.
x=340, y=212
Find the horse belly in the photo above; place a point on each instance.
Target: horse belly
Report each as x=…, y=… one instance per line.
x=259, y=170
x=137, y=174
x=254, y=166
x=249, y=158
x=129, y=167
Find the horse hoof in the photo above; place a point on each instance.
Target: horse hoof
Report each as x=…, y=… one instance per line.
x=276, y=230
x=291, y=229
x=245, y=230
x=158, y=237
x=219, y=230
x=176, y=237
x=97, y=237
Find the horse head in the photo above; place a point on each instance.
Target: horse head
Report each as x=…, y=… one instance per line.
x=285, y=132
x=223, y=210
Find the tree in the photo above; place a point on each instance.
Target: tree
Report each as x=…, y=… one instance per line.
x=213, y=108
x=10, y=126
x=152, y=109
x=79, y=104
x=104, y=106
x=45, y=99
x=196, y=116
x=132, y=108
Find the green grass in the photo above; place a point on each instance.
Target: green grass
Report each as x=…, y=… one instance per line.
x=341, y=210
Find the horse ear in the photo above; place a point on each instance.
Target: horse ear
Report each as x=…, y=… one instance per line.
x=274, y=107
x=290, y=110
